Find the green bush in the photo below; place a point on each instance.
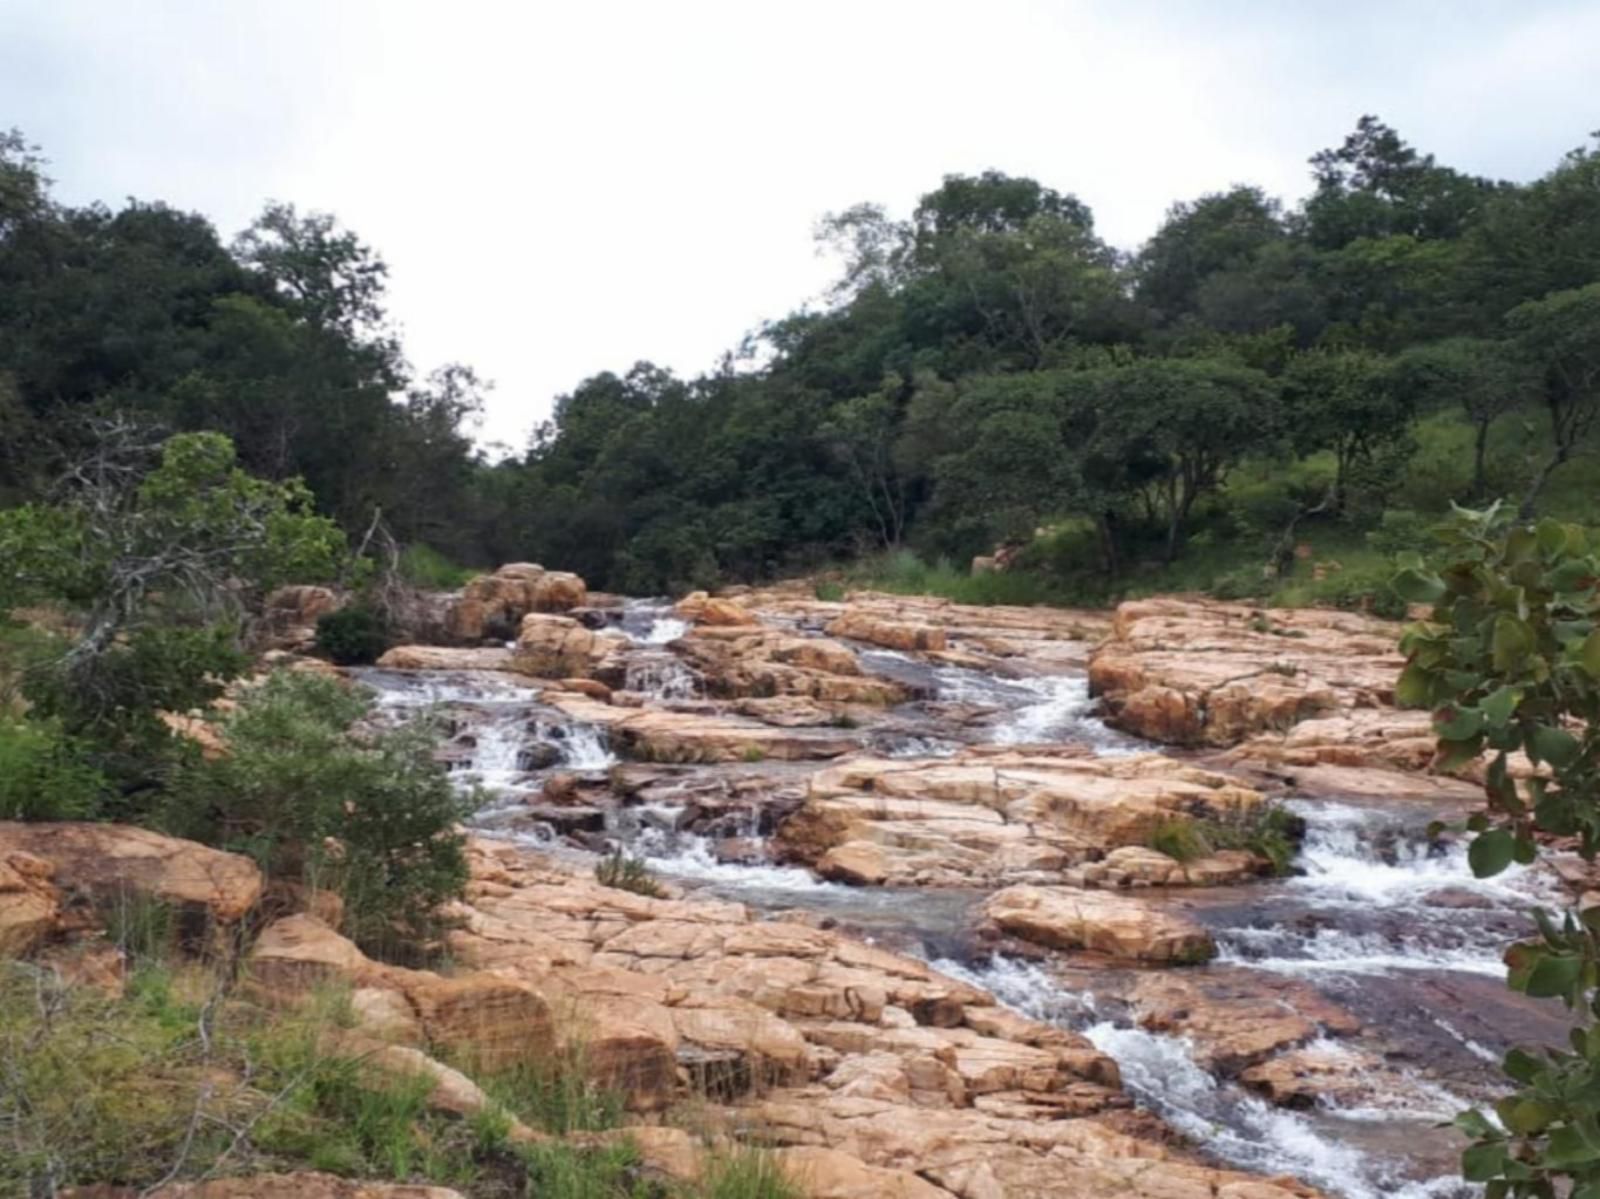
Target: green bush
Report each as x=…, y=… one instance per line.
x=44, y=774
x=829, y=592
x=352, y=636
x=423, y=566
x=1271, y=832
x=371, y=816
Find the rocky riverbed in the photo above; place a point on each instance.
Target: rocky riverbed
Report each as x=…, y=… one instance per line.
x=1035, y=999
x=955, y=901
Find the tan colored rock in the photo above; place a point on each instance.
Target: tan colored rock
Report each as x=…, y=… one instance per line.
x=291, y=613
x=995, y=817
x=739, y=661
x=558, y=647
x=819, y=1173
x=487, y=1019
x=656, y=735
x=557, y=591
x=1236, y=1017
x=1194, y=672
x=902, y=635
x=593, y=688
x=1099, y=922
x=701, y=608
x=1140, y=866
x=108, y=861
x=30, y=904
x=438, y=657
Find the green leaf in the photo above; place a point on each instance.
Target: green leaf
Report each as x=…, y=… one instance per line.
x=1455, y=754
x=1482, y=1162
x=1556, y=746
x=1414, y=687
x=1575, y=574
x=1491, y=852
x=1526, y=1116
x=1589, y=655
x=1567, y=1147
x=1521, y=1066
x=1511, y=644
x=1554, y=977
x=1459, y=724
x=1418, y=586
x=1474, y=1123
x=1524, y=851
x=1499, y=704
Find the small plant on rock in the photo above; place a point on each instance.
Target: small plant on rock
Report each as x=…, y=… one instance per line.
x=625, y=872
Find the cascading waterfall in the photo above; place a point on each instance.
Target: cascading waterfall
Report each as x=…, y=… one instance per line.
x=1374, y=903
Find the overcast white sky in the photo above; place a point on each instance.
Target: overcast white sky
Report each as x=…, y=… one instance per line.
x=566, y=188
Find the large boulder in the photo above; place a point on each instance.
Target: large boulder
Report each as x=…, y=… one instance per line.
x=987, y=817
x=1099, y=922
x=737, y=661
x=482, y=1018
x=558, y=647
x=30, y=905
x=557, y=591
x=290, y=615
x=112, y=861
x=1191, y=672
x=857, y=625
x=440, y=657
x=704, y=609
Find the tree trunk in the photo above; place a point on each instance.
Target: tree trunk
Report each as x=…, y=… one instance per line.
x=1480, y=483
x=1531, y=499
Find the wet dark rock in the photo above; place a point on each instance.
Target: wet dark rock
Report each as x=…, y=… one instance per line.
x=541, y=755
x=568, y=820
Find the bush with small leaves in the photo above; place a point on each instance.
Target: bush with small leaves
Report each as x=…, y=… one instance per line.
x=1509, y=660
x=352, y=636
x=621, y=870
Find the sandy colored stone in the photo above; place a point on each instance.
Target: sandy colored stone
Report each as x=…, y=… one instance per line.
x=557, y=591
x=30, y=904
x=657, y=735
x=1099, y=922
x=819, y=1173
x=558, y=647
x=439, y=657
x=108, y=861
x=995, y=817
x=856, y=625
x=1193, y=672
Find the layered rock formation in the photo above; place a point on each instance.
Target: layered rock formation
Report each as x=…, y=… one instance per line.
x=1188, y=672
x=988, y=817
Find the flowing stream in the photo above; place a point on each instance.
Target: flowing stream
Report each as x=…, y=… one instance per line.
x=1388, y=925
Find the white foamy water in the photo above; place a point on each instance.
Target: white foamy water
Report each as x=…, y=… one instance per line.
x=686, y=856
x=1368, y=901
x=660, y=675
x=664, y=629
x=1237, y=1127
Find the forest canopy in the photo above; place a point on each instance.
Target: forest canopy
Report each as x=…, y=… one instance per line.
x=983, y=368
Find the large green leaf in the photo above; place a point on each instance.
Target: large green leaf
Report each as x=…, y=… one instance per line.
x=1418, y=586
x=1491, y=852
x=1589, y=655
x=1513, y=643
x=1554, y=976
x=1556, y=746
x=1499, y=704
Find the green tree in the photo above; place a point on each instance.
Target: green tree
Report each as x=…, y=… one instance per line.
x=1344, y=402
x=157, y=549
x=1486, y=378
x=1560, y=338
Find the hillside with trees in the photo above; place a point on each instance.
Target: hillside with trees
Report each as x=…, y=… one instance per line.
x=1252, y=378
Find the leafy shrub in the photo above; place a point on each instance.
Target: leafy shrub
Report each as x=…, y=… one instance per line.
x=829, y=592
x=1240, y=584
x=1401, y=531
x=370, y=815
x=423, y=566
x=627, y=873
x=1509, y=661
x=352, y=636
x=1270, y=832
x=44, y=774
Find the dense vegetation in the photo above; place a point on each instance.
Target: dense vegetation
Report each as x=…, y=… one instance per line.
x=1252, y=379
x=1509, y=659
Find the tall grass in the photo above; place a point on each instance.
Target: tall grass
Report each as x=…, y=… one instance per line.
x=423, y=566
